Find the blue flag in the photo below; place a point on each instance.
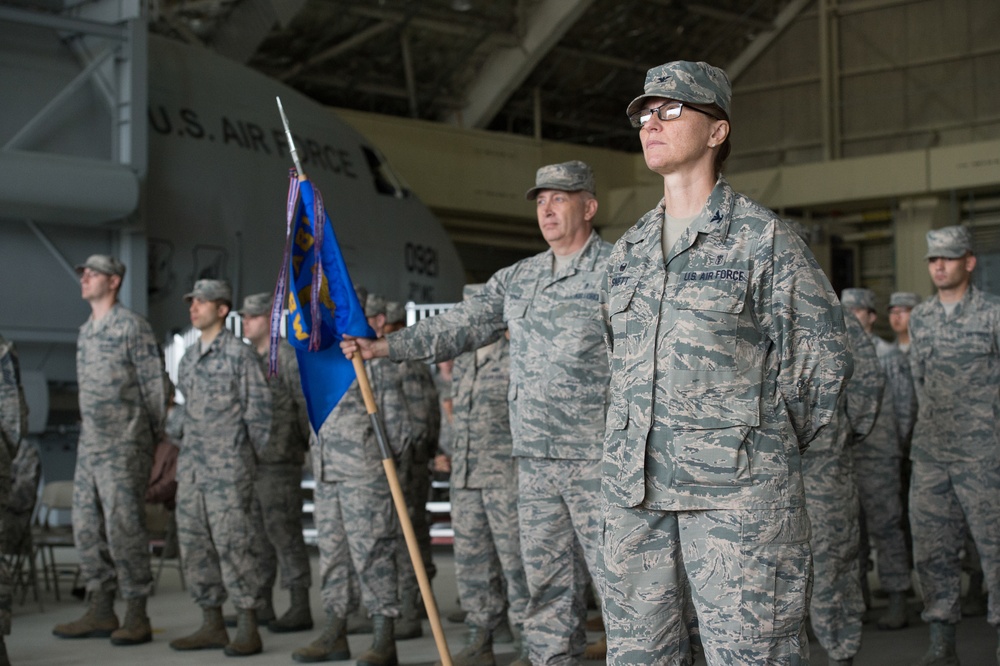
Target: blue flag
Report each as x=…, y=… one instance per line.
x=322, y=303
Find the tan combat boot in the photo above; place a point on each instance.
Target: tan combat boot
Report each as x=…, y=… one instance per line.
x=264, y=614
x=211, y=636
x=478, y=650
x=298, y=617
x=247, y=641
x=358, y=622
x=383, y=649
x=135, y=630
x=98, y=622
x=408, y=625
x=330, y=646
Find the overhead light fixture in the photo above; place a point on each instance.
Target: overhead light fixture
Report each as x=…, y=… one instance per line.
x=461, y=5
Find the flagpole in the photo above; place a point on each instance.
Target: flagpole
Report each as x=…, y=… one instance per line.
x=388, y=462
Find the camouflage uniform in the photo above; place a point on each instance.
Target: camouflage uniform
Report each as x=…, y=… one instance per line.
x=26, y=471
x=878, y=466
x=443, y=387
x=484, y=491
x=899, y=382
x=557, y=399
x=837, y=604
x=900, y=378
x=13, y=426
x=227, y=423
x=956, y=468
x=724, y=365
x=354, y=510
x=424, y=416
x=278, y=484
x=879, y=462
x=121, y=380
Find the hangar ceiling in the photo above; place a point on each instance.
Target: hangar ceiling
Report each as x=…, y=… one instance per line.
x=560, y=70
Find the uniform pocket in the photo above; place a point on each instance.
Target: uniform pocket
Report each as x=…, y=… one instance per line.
x=705, y=323
x=514, y=309
x=713, y=416
x=619, y=305
x=775, y=586
x=712, y=456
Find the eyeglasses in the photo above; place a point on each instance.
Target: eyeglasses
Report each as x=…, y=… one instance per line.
x=666, y=111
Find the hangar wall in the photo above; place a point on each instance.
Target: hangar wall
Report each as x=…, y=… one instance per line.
x=871, y=122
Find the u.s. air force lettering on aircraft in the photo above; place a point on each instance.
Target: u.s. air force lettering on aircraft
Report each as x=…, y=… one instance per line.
x=189, y=123
x=217, y=179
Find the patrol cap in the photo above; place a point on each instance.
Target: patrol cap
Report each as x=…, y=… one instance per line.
x=571, y=176
x=470, y=290
x=858, y=298
x=395, y=313
x=103, y=263
x=686, y=81
x=904, y=299
x=256, y=305
x=949, y=242
x=374, y=305
x=211, y=290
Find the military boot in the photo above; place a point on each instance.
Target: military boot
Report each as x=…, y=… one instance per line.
x=358, y=622
x=330, y=646
x=135, y=630
x=942, y=649
x=298, y=617
x=383, y=649
x=212, y=634
x=598, y=650
x=408, y=625
x=264, y=614
x=98, y=622
x=4, y=659
x=895, y=616
x=974, y=602
x=247, y=641
x=478, y=650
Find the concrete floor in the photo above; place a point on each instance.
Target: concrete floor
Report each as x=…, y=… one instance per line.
x=174, y=615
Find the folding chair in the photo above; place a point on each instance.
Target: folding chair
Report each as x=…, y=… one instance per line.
x=48, y=533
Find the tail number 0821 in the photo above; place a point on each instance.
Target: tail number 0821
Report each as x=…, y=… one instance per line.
x=421, y=260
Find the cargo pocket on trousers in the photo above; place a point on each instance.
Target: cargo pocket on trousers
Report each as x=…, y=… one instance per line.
x=775, y=582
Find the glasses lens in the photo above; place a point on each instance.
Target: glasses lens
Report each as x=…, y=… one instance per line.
x=664, y=112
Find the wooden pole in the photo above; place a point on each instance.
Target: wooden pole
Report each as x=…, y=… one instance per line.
x=401, y=510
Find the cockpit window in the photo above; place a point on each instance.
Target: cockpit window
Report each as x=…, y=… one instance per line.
x=386, y=180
